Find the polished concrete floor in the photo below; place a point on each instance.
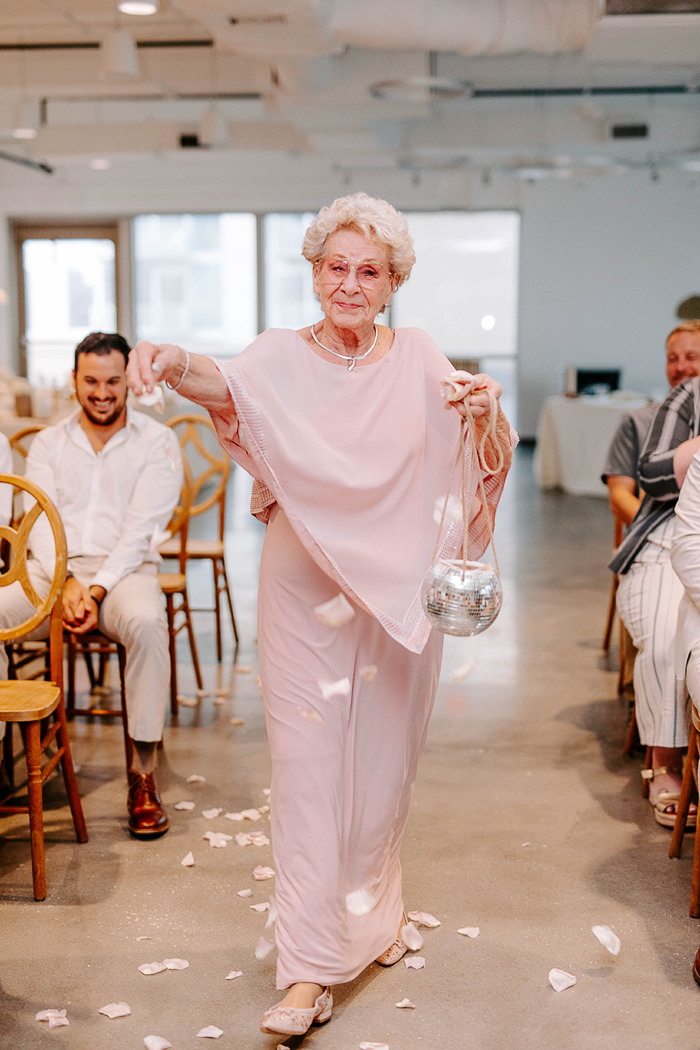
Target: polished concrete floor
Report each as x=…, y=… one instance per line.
x=527, y=822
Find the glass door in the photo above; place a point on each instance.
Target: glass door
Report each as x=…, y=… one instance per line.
x=67, y=289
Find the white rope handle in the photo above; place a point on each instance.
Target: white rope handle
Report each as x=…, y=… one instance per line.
x=479, y=456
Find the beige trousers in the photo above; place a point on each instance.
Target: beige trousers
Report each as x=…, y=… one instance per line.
x=132, y=613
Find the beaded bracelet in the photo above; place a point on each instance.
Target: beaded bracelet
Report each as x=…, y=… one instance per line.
x=182, y=377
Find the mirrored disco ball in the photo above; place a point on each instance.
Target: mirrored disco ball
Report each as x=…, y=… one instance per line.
x=459, y=602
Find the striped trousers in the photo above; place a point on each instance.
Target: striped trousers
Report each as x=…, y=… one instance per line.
x=647, y=601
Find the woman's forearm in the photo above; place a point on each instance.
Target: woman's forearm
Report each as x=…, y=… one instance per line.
x=194, y=376
x=683, y=457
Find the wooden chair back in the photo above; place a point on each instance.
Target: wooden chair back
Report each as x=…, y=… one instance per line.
x=179, y=523
x=209, y=465
x=17, y=540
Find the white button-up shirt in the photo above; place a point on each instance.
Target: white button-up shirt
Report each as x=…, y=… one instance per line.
x=111, y=502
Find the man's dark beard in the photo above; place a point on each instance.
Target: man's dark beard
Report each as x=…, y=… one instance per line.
x=107, y=420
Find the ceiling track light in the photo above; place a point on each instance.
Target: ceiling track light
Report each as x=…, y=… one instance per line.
x=421, y=89
x=138, y=7
x=25, y=120
x=118, y=56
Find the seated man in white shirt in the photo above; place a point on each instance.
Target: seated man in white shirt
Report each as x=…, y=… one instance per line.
x=115, y=477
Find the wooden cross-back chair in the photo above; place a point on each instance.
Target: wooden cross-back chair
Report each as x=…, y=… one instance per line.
x=174, y=586
x=195, y=433
x=689, y=793
x=32, y=703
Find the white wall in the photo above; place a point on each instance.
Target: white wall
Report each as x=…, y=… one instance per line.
x=604, y=260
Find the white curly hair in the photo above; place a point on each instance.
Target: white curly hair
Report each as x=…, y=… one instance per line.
x=376, y=219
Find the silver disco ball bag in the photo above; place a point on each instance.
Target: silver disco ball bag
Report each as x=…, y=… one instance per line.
x=462, y=597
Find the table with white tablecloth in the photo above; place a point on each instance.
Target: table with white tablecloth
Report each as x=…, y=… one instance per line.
x=573, y=438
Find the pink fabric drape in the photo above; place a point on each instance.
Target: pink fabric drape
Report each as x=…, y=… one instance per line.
x=357, y=461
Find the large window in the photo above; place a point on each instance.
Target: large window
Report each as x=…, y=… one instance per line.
x=464, y=289
x=289, y=296
x=67, y=289
x=195, y=279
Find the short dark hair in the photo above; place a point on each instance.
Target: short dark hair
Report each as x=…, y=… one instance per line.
x=99, y=343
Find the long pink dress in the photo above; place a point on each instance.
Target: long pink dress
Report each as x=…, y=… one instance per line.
x=348, y=468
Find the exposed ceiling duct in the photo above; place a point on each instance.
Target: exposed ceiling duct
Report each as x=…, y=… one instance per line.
x=479, y=27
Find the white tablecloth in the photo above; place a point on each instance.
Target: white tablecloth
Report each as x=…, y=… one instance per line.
x=573, y=438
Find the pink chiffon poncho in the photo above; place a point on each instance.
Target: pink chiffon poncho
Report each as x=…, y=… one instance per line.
x=348, y=469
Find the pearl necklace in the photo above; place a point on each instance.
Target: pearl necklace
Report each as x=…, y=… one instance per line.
x=347, y=357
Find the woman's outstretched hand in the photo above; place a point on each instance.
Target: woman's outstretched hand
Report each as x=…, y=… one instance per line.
x=470, y=395
x=150, y=363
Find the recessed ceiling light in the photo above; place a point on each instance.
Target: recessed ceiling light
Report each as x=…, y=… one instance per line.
x=421, y=89
x=487, y=322
x=138, y=7
x=100, y=164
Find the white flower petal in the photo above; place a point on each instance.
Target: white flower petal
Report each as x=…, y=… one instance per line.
x=359, y=902
x=234, y=974
x=244, y=893
x=211, y=814
x=261, y=873
x=45, y=1015
x=263, y=948
x=369, y=673
x=331, y=689
x=176, y=964
x=313, y=716
x=156, y=1042
x=203, y=693
x=236, y=721
x=264, y=809
x=258, y=839
x=210, y=1032
x=154, y=967
x=560, y=979
x=251, y=814
x=243, y=839
x=266, y=792
x=194, y=778
x=607, y=938
x=406, y=1004
x=222, y=693
x=469, y=931
x=233, y=816
x=335, y=613
x=260, y=907
x=188, y=860
x=425, y=919
x=58, y=1022
x=143, y=938
x=411, y=937
x=463, y=671
x=153, y=400
x=115, y=1010
x=374, y=1046
x=217, y=839
x=187, y=701
x=184, y=805
x=240, y=669
x=414, y=962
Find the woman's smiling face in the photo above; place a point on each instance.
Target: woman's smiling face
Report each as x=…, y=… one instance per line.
x=353, y=280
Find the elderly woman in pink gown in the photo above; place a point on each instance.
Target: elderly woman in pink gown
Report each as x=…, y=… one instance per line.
x=344, y=429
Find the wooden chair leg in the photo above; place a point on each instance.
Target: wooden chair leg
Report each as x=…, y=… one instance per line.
x=607, y=633
x=185, y=608
x=70, y=691
x=648, y=765
x=632, y=737
x=32, y=750
x=229, y=600
x=8, y=756
x=217, y=608
x=687, y=791
x=76, y=806
x=694, y=910
x=170, y=610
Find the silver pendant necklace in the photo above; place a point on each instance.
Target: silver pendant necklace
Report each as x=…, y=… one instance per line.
x=347, y=357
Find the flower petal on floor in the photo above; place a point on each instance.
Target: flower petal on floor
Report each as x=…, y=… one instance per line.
x=607, y=938
x=560, y=979
x=115, y=1010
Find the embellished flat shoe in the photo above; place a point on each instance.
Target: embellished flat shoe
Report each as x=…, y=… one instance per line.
x=291, y=1020
x=394, y=953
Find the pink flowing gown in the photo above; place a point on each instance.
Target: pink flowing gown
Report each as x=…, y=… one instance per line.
x=348, y=468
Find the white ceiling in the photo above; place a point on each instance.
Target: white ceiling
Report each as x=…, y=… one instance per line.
x=295, y=76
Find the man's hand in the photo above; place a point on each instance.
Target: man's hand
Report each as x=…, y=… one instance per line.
x=80, y=612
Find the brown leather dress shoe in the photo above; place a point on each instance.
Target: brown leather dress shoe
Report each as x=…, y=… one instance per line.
x=696, y=967
x=147, y=818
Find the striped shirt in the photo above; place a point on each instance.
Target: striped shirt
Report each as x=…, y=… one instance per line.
x=677, y=420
